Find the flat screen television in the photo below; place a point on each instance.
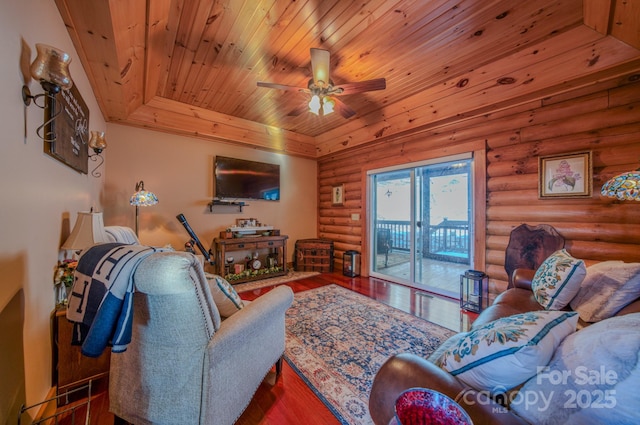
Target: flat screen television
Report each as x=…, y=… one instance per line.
x=242, y=179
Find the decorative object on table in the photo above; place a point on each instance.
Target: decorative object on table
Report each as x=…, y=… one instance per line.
x=227, y=267
x=623, y=187
x=337, y=195
x=250, y=228
x=272, y=260
x=142, y=198
x=256, y=264
x=63, y=280
x=98, y=143
x=565, y=176
x=351, y=263
x=422, y=406
x=474, y=291
x=88, y=230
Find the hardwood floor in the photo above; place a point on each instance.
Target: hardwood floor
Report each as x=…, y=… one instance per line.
x=289, y=400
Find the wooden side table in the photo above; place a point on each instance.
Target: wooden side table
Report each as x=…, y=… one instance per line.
x=70, y=367
x=264, y=246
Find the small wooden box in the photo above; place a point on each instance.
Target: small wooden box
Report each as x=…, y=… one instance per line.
x=314, y=255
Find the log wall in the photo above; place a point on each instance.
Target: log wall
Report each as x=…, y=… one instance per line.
x=603, y=118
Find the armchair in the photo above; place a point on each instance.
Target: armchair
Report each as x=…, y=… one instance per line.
x=185, y=365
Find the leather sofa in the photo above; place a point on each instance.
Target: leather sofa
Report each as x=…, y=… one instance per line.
x=404, y=371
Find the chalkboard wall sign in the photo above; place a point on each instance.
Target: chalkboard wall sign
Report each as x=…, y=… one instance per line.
x=71, y=127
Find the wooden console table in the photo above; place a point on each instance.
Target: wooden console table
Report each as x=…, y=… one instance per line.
x=265, y=247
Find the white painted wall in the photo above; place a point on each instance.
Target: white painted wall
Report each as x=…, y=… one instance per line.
x=40, y=197
x=179, y=170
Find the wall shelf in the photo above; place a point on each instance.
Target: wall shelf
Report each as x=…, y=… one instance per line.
x=216, y=202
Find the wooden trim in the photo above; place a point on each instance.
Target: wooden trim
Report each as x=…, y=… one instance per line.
x=479, y=209
x=597, y=14
x=47, y=409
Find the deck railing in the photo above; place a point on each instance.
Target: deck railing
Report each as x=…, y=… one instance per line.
x=447, y=241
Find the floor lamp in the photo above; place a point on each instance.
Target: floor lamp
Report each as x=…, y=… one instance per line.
x=142, y=198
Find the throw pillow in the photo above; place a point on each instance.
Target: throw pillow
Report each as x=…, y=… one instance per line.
x=558, y=280
x=591, y=379
x=226, y=298
x=608, y=288
x=506, y=352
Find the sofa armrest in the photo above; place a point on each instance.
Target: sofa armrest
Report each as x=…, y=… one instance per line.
x=241, y=353
x=522, y=278
x=404, y=371
x=263, y=315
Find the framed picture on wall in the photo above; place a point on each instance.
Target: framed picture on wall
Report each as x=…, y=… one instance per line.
x=71, y=127
x=337, y=195
x=565, y=176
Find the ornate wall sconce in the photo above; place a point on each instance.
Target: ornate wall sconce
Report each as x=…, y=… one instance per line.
x=51, y=69
x=98, y=143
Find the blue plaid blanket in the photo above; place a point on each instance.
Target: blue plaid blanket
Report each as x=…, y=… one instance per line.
x=100, y=304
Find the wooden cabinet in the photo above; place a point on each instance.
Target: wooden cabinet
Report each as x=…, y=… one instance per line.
x=70, y=367
x=270, y=251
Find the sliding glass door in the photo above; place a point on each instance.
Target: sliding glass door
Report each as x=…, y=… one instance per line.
x=421, y=220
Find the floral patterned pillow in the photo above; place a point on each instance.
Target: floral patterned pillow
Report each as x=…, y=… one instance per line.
x=558, y=280
x=224, y=295
x=506, y=352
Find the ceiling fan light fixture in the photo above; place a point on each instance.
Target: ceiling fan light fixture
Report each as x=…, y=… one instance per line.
x=322, y=89
x=314, y=104
x=327, y=105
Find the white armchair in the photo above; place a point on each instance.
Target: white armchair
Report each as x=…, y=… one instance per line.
x=184, y=364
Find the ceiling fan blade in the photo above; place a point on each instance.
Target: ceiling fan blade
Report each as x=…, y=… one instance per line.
x=343, y=109
x=279, y=86
x=320, y=66
x=362, y=86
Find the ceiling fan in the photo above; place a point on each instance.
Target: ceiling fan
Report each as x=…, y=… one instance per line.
x=323, y=93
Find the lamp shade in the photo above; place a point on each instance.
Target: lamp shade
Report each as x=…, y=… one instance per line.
x=52, y=66
x=624, y=187
x=88, y=231
x=97, y=141
x=143, y=198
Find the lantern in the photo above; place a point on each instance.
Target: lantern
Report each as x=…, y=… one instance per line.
x=351, y=263
x=474, y=291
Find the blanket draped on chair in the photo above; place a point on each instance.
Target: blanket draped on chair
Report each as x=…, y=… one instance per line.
x=102, y=296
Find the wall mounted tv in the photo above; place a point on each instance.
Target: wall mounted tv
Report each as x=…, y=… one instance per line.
x=242, y=179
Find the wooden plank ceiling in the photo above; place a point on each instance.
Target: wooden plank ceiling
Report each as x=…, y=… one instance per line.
x=192, y=66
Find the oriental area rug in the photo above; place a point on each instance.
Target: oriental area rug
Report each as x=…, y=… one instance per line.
x=337, y=340
x=272, y=281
